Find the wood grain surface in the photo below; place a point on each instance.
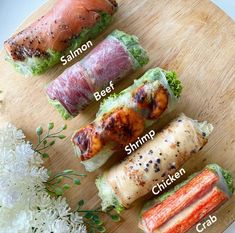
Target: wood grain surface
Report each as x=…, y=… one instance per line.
x=192, y=37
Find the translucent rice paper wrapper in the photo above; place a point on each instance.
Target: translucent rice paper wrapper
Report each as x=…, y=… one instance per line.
x=109, y=61
x=152, y=80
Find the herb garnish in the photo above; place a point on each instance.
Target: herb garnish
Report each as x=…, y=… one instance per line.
x=48, y=140
x=92, y=218
x=54, y=184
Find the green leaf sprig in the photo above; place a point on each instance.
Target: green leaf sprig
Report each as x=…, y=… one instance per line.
x=47, y=140
x=56, y=187
x=92, y=218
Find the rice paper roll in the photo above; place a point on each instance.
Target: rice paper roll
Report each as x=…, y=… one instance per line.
x=118, y=55
x=122, y=118
x=64, y=28
x=152, y=163
x=189, y=202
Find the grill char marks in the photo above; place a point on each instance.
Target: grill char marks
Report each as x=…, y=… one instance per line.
x=89, y=141
x=123, y=125
x=155, y=105
x=55, y=29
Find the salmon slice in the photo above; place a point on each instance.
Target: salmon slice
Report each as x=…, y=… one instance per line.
x=193, y=190
x=54, y=30
x=182, y=222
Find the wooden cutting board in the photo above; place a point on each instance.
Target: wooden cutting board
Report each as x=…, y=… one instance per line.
x=192, y=37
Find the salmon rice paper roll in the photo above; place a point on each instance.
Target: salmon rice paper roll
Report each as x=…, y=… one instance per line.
x=122, y=118
x=152, y=163
x=67, y=26
x=189, y=202
x=115, y=57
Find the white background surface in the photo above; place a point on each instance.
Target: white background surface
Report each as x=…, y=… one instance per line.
x=13, y=12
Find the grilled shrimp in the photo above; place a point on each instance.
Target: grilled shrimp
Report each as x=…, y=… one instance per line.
x=155, y=103
x=123, y=125
x=159, y=103
x=89, y=141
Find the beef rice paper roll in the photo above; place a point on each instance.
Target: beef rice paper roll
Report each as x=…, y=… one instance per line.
x=152, y=163
x=114, y=58
x=64, y=28
x=188, y=203
x=122, y=118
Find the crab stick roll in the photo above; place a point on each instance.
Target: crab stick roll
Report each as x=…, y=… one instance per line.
x=153, y=163
x=189, y=202
x=118, y=55
x=64, y=28
x=122, y=118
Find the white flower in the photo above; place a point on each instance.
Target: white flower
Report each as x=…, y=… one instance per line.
x=25, y=205
x=60, y=226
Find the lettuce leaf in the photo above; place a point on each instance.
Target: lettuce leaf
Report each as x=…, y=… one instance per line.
x=174, y=82
x=226, y=174
x=61, y=109
x=136, y=51
x=107, y=195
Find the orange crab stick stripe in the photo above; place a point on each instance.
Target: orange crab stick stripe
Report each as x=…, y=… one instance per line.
x=193, y=190
x=213, y=200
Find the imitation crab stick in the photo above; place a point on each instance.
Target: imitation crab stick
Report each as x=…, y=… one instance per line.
x=68, y=25
x=178, y=210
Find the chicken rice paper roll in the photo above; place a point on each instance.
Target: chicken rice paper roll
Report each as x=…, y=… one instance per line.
x=122, y=118
x=188, y=203
x=152, y=163
x=110, y=61
x=66, y=27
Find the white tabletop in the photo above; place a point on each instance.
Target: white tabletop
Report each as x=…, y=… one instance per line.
x=13, y=12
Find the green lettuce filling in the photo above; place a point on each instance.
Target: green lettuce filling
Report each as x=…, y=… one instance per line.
x=174, y=82
x=136, y=51
x=107, y=196
x=32, y=66
x=63, y=112
x=226, y=174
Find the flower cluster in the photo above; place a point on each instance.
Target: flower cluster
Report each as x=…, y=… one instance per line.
x=25, y=205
